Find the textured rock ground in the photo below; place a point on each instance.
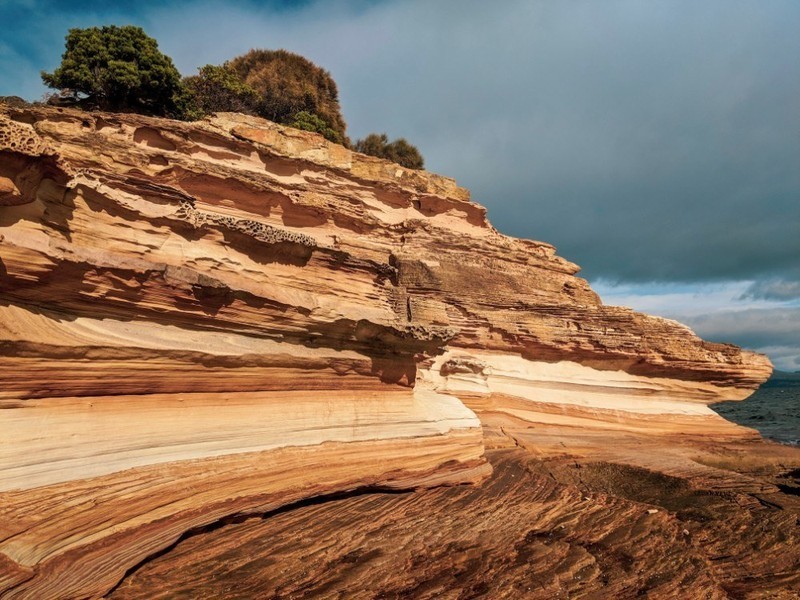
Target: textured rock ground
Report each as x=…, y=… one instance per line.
x=203, y=321
x=571, y=520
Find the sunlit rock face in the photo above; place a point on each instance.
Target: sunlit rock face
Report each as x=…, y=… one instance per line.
x=200, y=320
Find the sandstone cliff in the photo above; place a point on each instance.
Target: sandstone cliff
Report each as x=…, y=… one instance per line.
x=199, y=320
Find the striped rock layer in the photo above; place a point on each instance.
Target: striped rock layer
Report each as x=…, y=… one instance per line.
x=220, y=318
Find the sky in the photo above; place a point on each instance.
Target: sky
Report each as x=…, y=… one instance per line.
x=655, y=143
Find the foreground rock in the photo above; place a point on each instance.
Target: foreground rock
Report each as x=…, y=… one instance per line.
x=223, y=318
x=566, y=514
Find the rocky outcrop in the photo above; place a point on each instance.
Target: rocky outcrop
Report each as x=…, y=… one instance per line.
x=200, y=320
x=539, y=528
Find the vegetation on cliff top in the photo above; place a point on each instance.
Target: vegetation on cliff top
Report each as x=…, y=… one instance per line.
x=288, y=84
x=218, y=89
x=276, y=85
x=121, y=69
x=399, y=151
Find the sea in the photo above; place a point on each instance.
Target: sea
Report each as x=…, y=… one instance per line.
x=774, y=409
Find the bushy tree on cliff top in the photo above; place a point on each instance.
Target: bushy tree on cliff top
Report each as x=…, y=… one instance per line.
x=118, y=69
x=289, y=84
x=399, y=151
x=121, y=69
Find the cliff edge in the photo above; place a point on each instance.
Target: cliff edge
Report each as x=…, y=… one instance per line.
x=200, y=320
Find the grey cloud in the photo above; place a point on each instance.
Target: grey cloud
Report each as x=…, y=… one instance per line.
x=773, y=289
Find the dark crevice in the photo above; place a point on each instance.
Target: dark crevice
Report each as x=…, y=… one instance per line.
x=790, y=490
x=767, y=503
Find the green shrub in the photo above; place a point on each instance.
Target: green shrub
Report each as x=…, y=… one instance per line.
x=219, y=89
x=310, y=122
x=399, y=151
x=118, y=69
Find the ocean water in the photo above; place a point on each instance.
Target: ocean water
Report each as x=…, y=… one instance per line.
x=774, y=409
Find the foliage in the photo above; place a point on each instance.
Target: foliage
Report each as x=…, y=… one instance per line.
x=219, y=89
x=186, y=107
x=399, y=151
x=289, y=84
x=118, y=69
x=311, y=122
x=14, y=101
x=374, y=145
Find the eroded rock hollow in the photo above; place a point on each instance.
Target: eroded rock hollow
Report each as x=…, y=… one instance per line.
x=203, y=320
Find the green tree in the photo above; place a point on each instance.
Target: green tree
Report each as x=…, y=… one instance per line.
x=399, y=151
x=289, y=84
x=220, y=89
x=119, y=69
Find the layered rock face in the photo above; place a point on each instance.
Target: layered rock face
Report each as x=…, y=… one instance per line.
x=200, y=320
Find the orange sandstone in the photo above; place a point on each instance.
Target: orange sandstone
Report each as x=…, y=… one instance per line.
x=200, y=320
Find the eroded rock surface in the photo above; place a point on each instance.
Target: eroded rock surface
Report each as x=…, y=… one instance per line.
x=204, y=320
x=568, y=517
